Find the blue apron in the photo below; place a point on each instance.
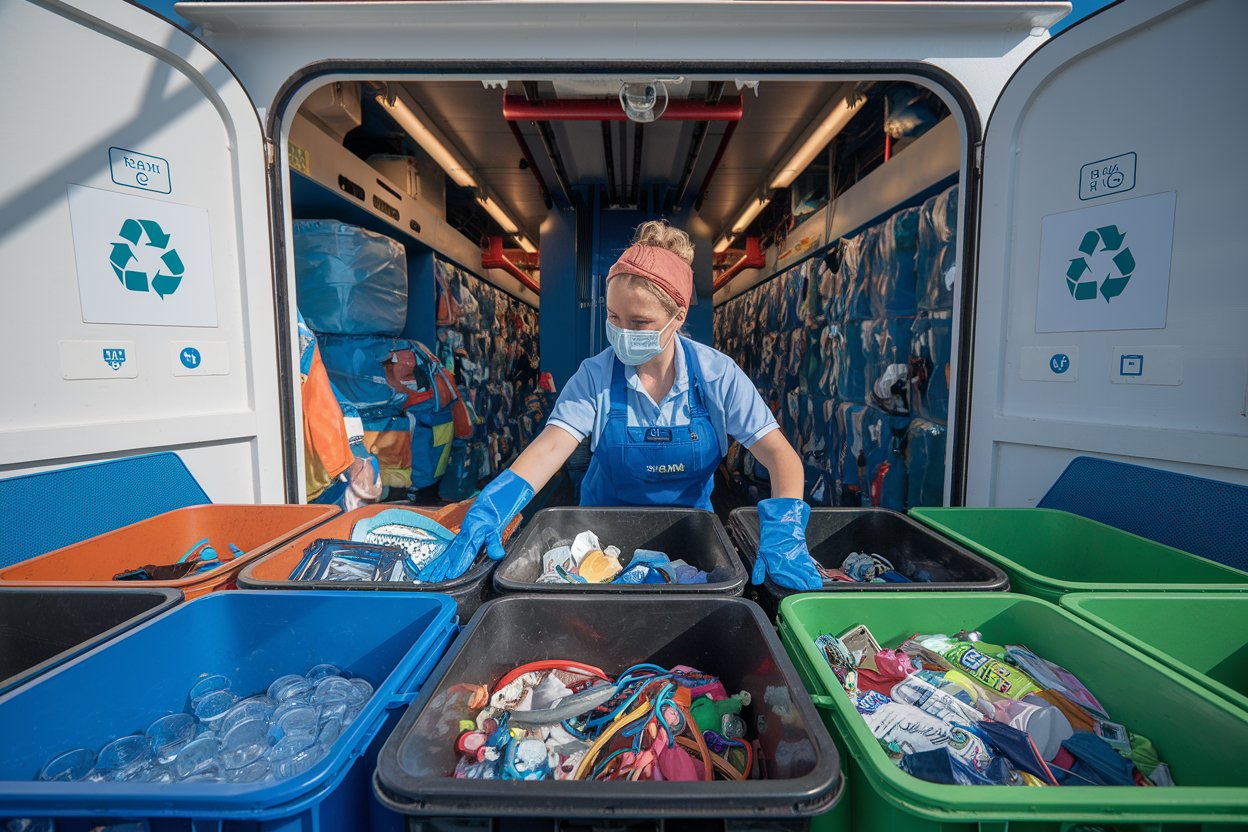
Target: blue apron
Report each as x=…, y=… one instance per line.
x=654, y=466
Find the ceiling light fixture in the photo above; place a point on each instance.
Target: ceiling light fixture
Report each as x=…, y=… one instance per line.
x=500, y=216
x=524, y=243
x=752, y=210
x=725, y=243
x=827, y=129
x=413, y=119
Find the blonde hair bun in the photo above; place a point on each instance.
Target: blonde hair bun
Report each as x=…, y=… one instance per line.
x=661, y=235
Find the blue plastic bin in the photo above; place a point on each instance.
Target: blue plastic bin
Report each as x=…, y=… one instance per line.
x=391, y=639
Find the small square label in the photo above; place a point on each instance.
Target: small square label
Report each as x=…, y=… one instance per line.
x=139, y=170
x=1049, y=364
x=1131, y=365
x=1115, y=175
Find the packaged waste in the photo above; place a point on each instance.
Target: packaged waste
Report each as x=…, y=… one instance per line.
x=392, y=545
x=228, y=736
x=349, y=280
x=960, y=710
x=566, y=720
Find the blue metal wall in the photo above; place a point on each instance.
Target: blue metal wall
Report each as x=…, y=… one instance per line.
x=573, y=309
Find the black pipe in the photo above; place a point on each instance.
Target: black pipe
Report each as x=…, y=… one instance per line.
x=719, y=156
x=695, y=150
x=550, y=145
x=532, y=163
x=608, y=151
x=639, y=135
x=713, y=94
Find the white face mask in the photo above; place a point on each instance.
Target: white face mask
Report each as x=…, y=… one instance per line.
x=636, y=346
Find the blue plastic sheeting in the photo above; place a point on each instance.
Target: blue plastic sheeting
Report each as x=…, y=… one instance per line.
x=887, y=342
x=392, y=639
x=356, y=365
x=885, y=442
x=1196, y=514
x=829, y=290
x=925, y=463
x=850, y=354
x=851, y=458
x=492, y=350
x=893, y=275
x=114, y=494
x=929, y=365
x=858, y=258
x=937, y=257
x=349, y=280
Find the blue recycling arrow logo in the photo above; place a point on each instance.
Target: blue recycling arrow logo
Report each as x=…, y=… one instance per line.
x=148, y=233
x=1083, y=283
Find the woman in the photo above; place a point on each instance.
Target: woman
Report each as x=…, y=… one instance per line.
x=659, y=409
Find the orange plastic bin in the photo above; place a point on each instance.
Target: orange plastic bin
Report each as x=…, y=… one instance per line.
x=255, y=529
x=469, y=590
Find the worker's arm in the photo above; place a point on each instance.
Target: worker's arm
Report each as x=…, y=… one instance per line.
x=546, y=455
x=784, y=466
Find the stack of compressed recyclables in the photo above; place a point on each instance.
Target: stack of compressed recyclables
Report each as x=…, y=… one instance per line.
x=43, y=628
x=833, y=533
x=469, y=590
x=725, y=637
x=349, y=280
x=1048, y=553
x=352, y=290
x=819, y=337
x=1199, y=735
x=492, y=349
x=1202, y=635
x=391, y=640
x=689, y=534
x=255, y=529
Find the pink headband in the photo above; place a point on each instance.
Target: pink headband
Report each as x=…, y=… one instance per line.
x=663, y=268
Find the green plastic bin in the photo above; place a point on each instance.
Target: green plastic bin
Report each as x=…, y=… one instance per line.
x=1204, y=636
x=1047, y=553
x=1198, y=734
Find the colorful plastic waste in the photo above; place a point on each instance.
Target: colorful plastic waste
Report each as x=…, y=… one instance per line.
x=565, y=720
x=961, y=710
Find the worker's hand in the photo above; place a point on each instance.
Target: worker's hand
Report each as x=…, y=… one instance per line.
x=493, y=509
x=782, y=552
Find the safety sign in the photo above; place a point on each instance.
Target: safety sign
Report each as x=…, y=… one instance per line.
x=142, y=260
x=1106, y=267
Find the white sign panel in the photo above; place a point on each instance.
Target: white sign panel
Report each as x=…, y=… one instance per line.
x=141, y=260
x=1049, y=364
x=139, y=170
x=1108, y=176
x=200, y=358
x=1106, y=267
x=98, y=359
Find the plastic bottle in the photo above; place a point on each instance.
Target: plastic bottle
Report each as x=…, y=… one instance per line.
x=993, y=674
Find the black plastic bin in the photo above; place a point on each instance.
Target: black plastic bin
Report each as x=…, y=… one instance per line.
x=43, y=628
x=696, y=536
x=833, y=533
x=728, y=637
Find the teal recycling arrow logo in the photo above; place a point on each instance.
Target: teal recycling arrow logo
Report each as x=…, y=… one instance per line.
x=1085, y=282
x=154, y=255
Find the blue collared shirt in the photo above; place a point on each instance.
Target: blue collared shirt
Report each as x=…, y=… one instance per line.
x=735, y=406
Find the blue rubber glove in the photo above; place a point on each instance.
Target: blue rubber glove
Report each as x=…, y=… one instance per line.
x=782, y=552
x=494, y=508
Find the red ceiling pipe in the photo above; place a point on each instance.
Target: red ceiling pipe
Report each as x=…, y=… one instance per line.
x=522, y=258
x=752, y=259
x=493, y=258
x=516, y=108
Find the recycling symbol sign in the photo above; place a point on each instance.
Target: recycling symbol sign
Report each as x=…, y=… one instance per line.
x=145, y=260
x=1095, y=271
